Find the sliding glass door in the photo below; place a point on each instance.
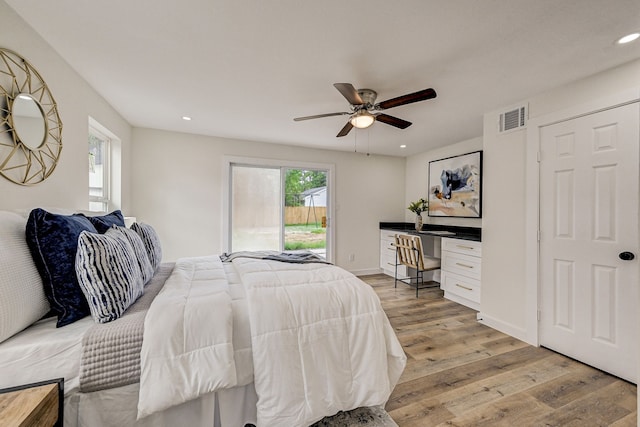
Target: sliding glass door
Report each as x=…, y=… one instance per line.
x=279, y=208
x=305, y=210
x=256, y=212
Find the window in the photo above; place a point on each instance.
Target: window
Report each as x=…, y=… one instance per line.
x=255, y=208
x=278, y=205
x=105, y=168
x=99, y=171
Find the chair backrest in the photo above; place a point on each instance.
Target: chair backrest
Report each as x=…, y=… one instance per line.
x=409, y=250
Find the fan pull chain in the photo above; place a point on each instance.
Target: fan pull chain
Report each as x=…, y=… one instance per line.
x=355, y=141
x=368, y=137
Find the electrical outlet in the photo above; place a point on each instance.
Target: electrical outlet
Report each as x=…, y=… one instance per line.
x=352, y=257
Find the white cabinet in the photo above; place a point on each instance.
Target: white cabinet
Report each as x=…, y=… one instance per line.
x=388, y=254
x=460, y=271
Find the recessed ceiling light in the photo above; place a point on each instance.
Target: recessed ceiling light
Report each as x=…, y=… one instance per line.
x=628, y=38
x=187, y=118
x=403, y=146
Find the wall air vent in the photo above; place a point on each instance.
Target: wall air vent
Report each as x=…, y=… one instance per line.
x=513, y=119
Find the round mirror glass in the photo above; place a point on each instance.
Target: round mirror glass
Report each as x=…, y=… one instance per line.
x=28, y=121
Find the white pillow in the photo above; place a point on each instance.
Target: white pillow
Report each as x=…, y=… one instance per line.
x=22, y=298
x=108, y=273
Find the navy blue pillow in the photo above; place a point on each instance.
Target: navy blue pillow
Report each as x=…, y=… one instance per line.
x=53, y=242
x=104, y=222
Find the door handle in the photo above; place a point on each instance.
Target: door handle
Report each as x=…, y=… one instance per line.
x=626, y=256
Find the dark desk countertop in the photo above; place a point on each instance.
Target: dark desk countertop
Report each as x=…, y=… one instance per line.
x=437, y=230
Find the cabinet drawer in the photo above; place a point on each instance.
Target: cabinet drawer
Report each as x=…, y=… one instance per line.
x=389, y=267
x=462, y=286
x=389, y=235
x=388, y=245
x=388, y=255
x=464, y=265
x=387, y=260
x=466, y=247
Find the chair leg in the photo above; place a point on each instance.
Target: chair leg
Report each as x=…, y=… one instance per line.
x=395, y=276
x=419, y=280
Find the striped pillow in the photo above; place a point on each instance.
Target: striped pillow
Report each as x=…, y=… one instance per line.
x=151, y=242
x=139, y=250
x=108, y=273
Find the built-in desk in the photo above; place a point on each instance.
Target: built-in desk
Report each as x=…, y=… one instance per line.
x=460, y=251
x=453, y=231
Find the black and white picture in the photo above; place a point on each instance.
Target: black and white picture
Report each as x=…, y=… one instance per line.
x=455, y=186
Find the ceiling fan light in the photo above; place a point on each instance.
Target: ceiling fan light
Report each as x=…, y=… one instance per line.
x=362, y=119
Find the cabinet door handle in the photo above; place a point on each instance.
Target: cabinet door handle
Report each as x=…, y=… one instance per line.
x=392, y=264
x=464, y=287
x=465, y=247
x=392, y=249
x=464, y=265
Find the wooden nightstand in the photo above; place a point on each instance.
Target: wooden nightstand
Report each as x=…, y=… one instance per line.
x=39, y=404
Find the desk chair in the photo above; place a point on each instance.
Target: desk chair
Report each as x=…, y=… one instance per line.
x=409, y=252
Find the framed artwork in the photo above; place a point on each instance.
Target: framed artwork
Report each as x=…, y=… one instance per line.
x=455, y=186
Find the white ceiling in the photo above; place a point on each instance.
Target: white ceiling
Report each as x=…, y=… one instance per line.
x=244, y=69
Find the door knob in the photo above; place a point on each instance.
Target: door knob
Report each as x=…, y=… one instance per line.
x=626, y=256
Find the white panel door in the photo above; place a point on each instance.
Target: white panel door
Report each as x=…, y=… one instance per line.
x=588, y=217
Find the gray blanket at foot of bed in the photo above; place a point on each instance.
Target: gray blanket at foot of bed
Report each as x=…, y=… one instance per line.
x=293, y=257
x=111, y=351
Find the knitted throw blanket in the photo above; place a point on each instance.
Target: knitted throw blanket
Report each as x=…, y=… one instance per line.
x=111, y=351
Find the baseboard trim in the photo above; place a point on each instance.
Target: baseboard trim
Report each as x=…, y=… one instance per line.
x=367, y=272
x=504, y=327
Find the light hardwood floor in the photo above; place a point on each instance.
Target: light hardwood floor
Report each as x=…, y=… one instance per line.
x=462, y=373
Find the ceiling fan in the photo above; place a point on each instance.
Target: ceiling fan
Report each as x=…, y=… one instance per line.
x=365, y=110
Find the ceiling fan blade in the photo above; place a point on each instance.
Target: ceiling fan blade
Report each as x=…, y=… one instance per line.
x=393, y=121
x=345, y=130
x=348, y=91
x=410, y=98
x=318, y=116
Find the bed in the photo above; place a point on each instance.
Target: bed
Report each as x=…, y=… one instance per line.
x=255, y=339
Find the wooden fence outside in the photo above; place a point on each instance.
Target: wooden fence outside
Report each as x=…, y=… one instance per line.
x=304, y=214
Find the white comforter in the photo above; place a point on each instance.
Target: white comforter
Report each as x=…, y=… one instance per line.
x=321, y=341
x=187, y=346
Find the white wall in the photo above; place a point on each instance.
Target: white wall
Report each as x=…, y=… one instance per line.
x=178, y=188
x=503, y=296
x=507, y=302
x=68, y=186
x=417, y=180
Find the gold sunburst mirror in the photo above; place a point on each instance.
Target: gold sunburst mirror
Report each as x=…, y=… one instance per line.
x=30, y=126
